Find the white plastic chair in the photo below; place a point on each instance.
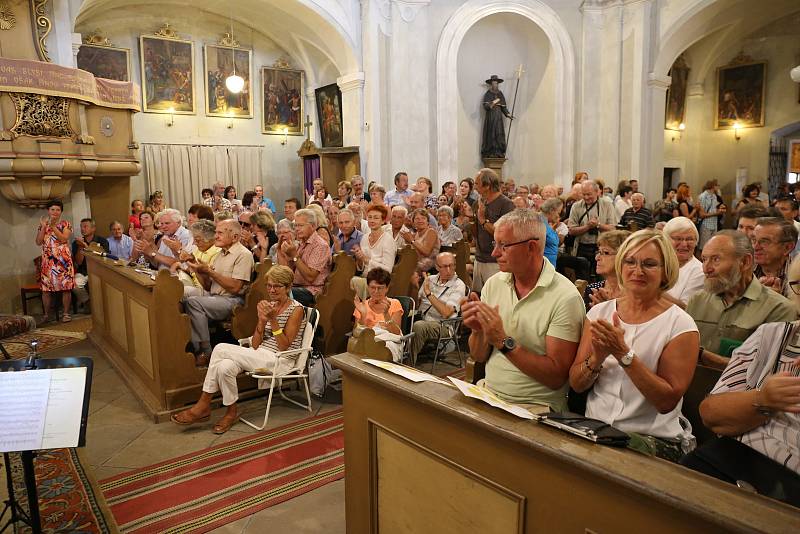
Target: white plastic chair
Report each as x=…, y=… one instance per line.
x=298, y=370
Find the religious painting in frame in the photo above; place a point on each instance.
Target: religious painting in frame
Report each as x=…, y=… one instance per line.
x=167, y=75
x=329, y=115
x=741, y=89
x=282, y=94
x=220, y=102
x=676, y=95
x=794, y=156
x=106, y=62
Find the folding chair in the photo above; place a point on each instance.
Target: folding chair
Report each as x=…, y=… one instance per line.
x=298, y=370
x=407, y=323
x=449, y=330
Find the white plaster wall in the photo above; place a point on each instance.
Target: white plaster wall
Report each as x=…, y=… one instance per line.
x=705, y=153
x=281, y=168
x=498, y=44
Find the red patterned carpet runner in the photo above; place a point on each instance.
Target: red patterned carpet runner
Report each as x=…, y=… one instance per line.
x=206, y=489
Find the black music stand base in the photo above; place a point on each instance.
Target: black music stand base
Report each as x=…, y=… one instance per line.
x=33, y=519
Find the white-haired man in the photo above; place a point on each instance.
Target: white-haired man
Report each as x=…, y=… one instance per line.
x=224, y=280
x=175, y=238
x=217, y=201
x=637, y=214
x=310, y=259
x=527, y=323
x=439, y=298
x=587, y=218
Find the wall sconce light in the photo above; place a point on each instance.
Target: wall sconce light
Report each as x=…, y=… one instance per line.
x=171, y=112
x=736, y=128
x=679, y=134
x=230, y=120
x=285, y=135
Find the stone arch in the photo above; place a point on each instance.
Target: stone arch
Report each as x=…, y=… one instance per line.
x=447, y=88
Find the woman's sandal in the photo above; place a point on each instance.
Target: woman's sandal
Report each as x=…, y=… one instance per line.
x=66, y=318
x=186, y=418
x=225, y=424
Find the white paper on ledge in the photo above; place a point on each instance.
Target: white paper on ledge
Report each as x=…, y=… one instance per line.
x=483, y=394
x=415, y=375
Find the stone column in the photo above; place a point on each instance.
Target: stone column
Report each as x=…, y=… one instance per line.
x=352, y=87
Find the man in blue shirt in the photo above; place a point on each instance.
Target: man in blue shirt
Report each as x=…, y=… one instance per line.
x=399, y=195
x=119, y=243
x=348, y=235
x=264, y=201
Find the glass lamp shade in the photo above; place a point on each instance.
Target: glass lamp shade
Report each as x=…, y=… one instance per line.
x=234, y=83
x=795, y=74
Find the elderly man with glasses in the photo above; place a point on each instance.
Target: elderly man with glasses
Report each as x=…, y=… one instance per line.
x=527, y=323
x=439, y=298
x=733, y=303
x=773, y=240
x=310, y=260
x=175, y=238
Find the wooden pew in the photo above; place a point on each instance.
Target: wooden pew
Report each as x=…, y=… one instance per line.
x=366, y=346
x=404, y=265
x=335, y=304
x=245, y=317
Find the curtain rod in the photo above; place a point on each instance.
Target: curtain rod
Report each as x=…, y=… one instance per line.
x=199, y=144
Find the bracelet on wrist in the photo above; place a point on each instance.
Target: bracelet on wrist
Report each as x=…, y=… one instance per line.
x=276, y=333
x=595, y=372
x=760, y=408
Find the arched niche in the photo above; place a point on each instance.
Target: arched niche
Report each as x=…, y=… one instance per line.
x=498, y=44
x=447, y=92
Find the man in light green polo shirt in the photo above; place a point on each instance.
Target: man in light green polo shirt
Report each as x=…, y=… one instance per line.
x=733, y=303
x=527, y=322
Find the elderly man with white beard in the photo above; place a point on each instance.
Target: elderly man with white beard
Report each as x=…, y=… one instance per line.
x=732, y=303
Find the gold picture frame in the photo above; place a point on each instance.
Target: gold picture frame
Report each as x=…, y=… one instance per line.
x=741, y=94
x=167, y=65
x=217, y=67
x=283, y=101
x=105, y=61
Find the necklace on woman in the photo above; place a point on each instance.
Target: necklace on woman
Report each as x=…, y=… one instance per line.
x=372, y=239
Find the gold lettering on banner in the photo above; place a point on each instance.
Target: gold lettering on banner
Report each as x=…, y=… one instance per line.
x=7, y=18
x=42, y=26
x=24, y=76
x=41, y=116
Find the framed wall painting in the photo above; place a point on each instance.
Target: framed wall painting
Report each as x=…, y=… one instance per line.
x=329, y=115
x=282, y=93
x=106, y=62
x=794, y=156
x=741, y=89
x=167, y=75
x=220, y=102
x=676, y=95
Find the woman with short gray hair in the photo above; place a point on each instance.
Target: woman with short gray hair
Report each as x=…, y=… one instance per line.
x=448, y=232
x=683, y=235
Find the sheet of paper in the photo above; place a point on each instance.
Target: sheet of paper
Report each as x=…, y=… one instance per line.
x=64, y=407
x=415, y=375
x=23, y=398
x=483, y=394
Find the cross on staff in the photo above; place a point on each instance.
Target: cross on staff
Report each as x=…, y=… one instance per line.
x=308, y=124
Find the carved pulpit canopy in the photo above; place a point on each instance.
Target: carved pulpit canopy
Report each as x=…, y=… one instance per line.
x=50, y=117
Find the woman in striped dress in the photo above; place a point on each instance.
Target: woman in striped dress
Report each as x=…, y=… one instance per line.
x=280, y=327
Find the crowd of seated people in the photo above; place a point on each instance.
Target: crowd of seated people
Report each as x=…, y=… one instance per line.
x=672, y=284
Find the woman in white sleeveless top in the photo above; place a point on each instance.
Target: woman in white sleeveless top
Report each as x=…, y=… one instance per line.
x=638, y=352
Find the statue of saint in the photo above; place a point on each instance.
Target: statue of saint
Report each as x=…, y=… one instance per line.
x=493, y=144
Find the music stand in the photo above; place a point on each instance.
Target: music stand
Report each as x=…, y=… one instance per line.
x=33, y=519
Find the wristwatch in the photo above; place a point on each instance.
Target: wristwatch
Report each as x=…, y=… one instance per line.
x=509, y=344
x=295, y=259
x=153, y=254
x=627, y=360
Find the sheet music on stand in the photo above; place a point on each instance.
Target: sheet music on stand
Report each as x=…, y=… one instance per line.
x=42, y=408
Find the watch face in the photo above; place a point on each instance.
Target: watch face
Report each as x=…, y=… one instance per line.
x=509, y=343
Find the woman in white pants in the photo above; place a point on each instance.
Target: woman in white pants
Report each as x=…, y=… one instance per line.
x=280, y=327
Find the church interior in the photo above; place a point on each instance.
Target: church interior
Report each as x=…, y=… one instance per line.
x=202, y=183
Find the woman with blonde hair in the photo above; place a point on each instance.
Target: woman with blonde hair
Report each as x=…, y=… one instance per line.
x=343, y=190
x=638, y=352
x=281, y=322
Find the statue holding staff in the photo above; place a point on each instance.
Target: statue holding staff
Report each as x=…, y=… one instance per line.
x=493, y=144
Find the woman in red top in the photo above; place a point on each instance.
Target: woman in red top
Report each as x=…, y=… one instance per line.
x=137, y=207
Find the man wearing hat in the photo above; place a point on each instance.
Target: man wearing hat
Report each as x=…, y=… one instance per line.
x=494, y=132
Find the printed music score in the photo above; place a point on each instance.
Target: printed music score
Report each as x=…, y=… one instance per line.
x=23, y=396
